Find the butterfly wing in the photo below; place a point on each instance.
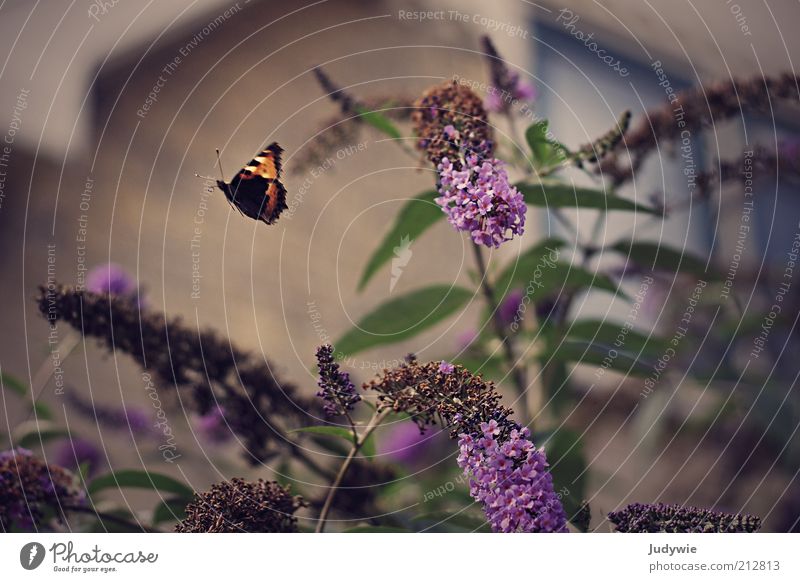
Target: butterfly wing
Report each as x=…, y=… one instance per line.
x=257, y=190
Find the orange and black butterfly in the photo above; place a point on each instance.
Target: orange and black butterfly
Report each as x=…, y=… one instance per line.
x=256, y=190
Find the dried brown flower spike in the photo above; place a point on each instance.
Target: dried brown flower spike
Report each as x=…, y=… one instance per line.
x=239, y=506
x=455, y=105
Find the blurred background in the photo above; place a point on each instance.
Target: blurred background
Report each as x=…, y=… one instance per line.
x=109, y=109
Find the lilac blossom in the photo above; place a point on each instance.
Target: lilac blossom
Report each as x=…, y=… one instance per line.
x=72, y=453
x=212, y=426
x=511, y=480
x=336, y=388
x=113, y=279
x=477, y=198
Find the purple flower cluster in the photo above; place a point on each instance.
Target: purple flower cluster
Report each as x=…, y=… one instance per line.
x=511, y=480
x=212, y=426
x=113, y=279
x=30, y=489
x=77, y=451
x=477, y=198
x=336, y=389
x=499, y=100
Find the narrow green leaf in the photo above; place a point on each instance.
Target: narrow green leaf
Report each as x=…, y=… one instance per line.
x=141, y=480
x=539, y=273
x=32, y=434
x=336, y=431
x=553, y=194
x=382, y=123
x=167, y=510
x=653, y=255
x=20, y=389
x=544, y=150
x=369, y=448
x=414, y=218
x=608, y=332
x=403, y=317
x=13, y=384
x=596, y=354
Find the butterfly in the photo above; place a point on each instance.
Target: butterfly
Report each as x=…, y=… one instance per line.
x=256, y=190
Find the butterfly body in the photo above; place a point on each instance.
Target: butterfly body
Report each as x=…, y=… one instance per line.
x=256, y=190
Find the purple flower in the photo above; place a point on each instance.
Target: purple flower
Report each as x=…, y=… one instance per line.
x=511, y=480
x=509, y=308
x=405, y=443
x=336, y=389
x=446, y=367
x=72, y=453
x=212, y=426
x=30, y=490
x=479, y=199
x=508, y=87
x=465, y=338
x=113, y=279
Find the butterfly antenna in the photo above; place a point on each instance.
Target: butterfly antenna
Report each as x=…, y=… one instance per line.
x=219, y=162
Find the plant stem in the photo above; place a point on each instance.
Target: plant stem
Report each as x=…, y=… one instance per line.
x=373, y=423
x=508, y=341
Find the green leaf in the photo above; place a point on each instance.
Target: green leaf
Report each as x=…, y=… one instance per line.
x=369, y=448
x=553, y=194
x=414, y=218
x=173, y=509
x=20, y=389
x=376, y=529
x=607, y=332
x=539, y=275
x=336, y=431
x=403, y=317
x=141, y=480
x=13, y=384
x=380, y=122
x=653, y=255
x=545, y=151
x=31, y=433
x=595, y=354
x=568, y=467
